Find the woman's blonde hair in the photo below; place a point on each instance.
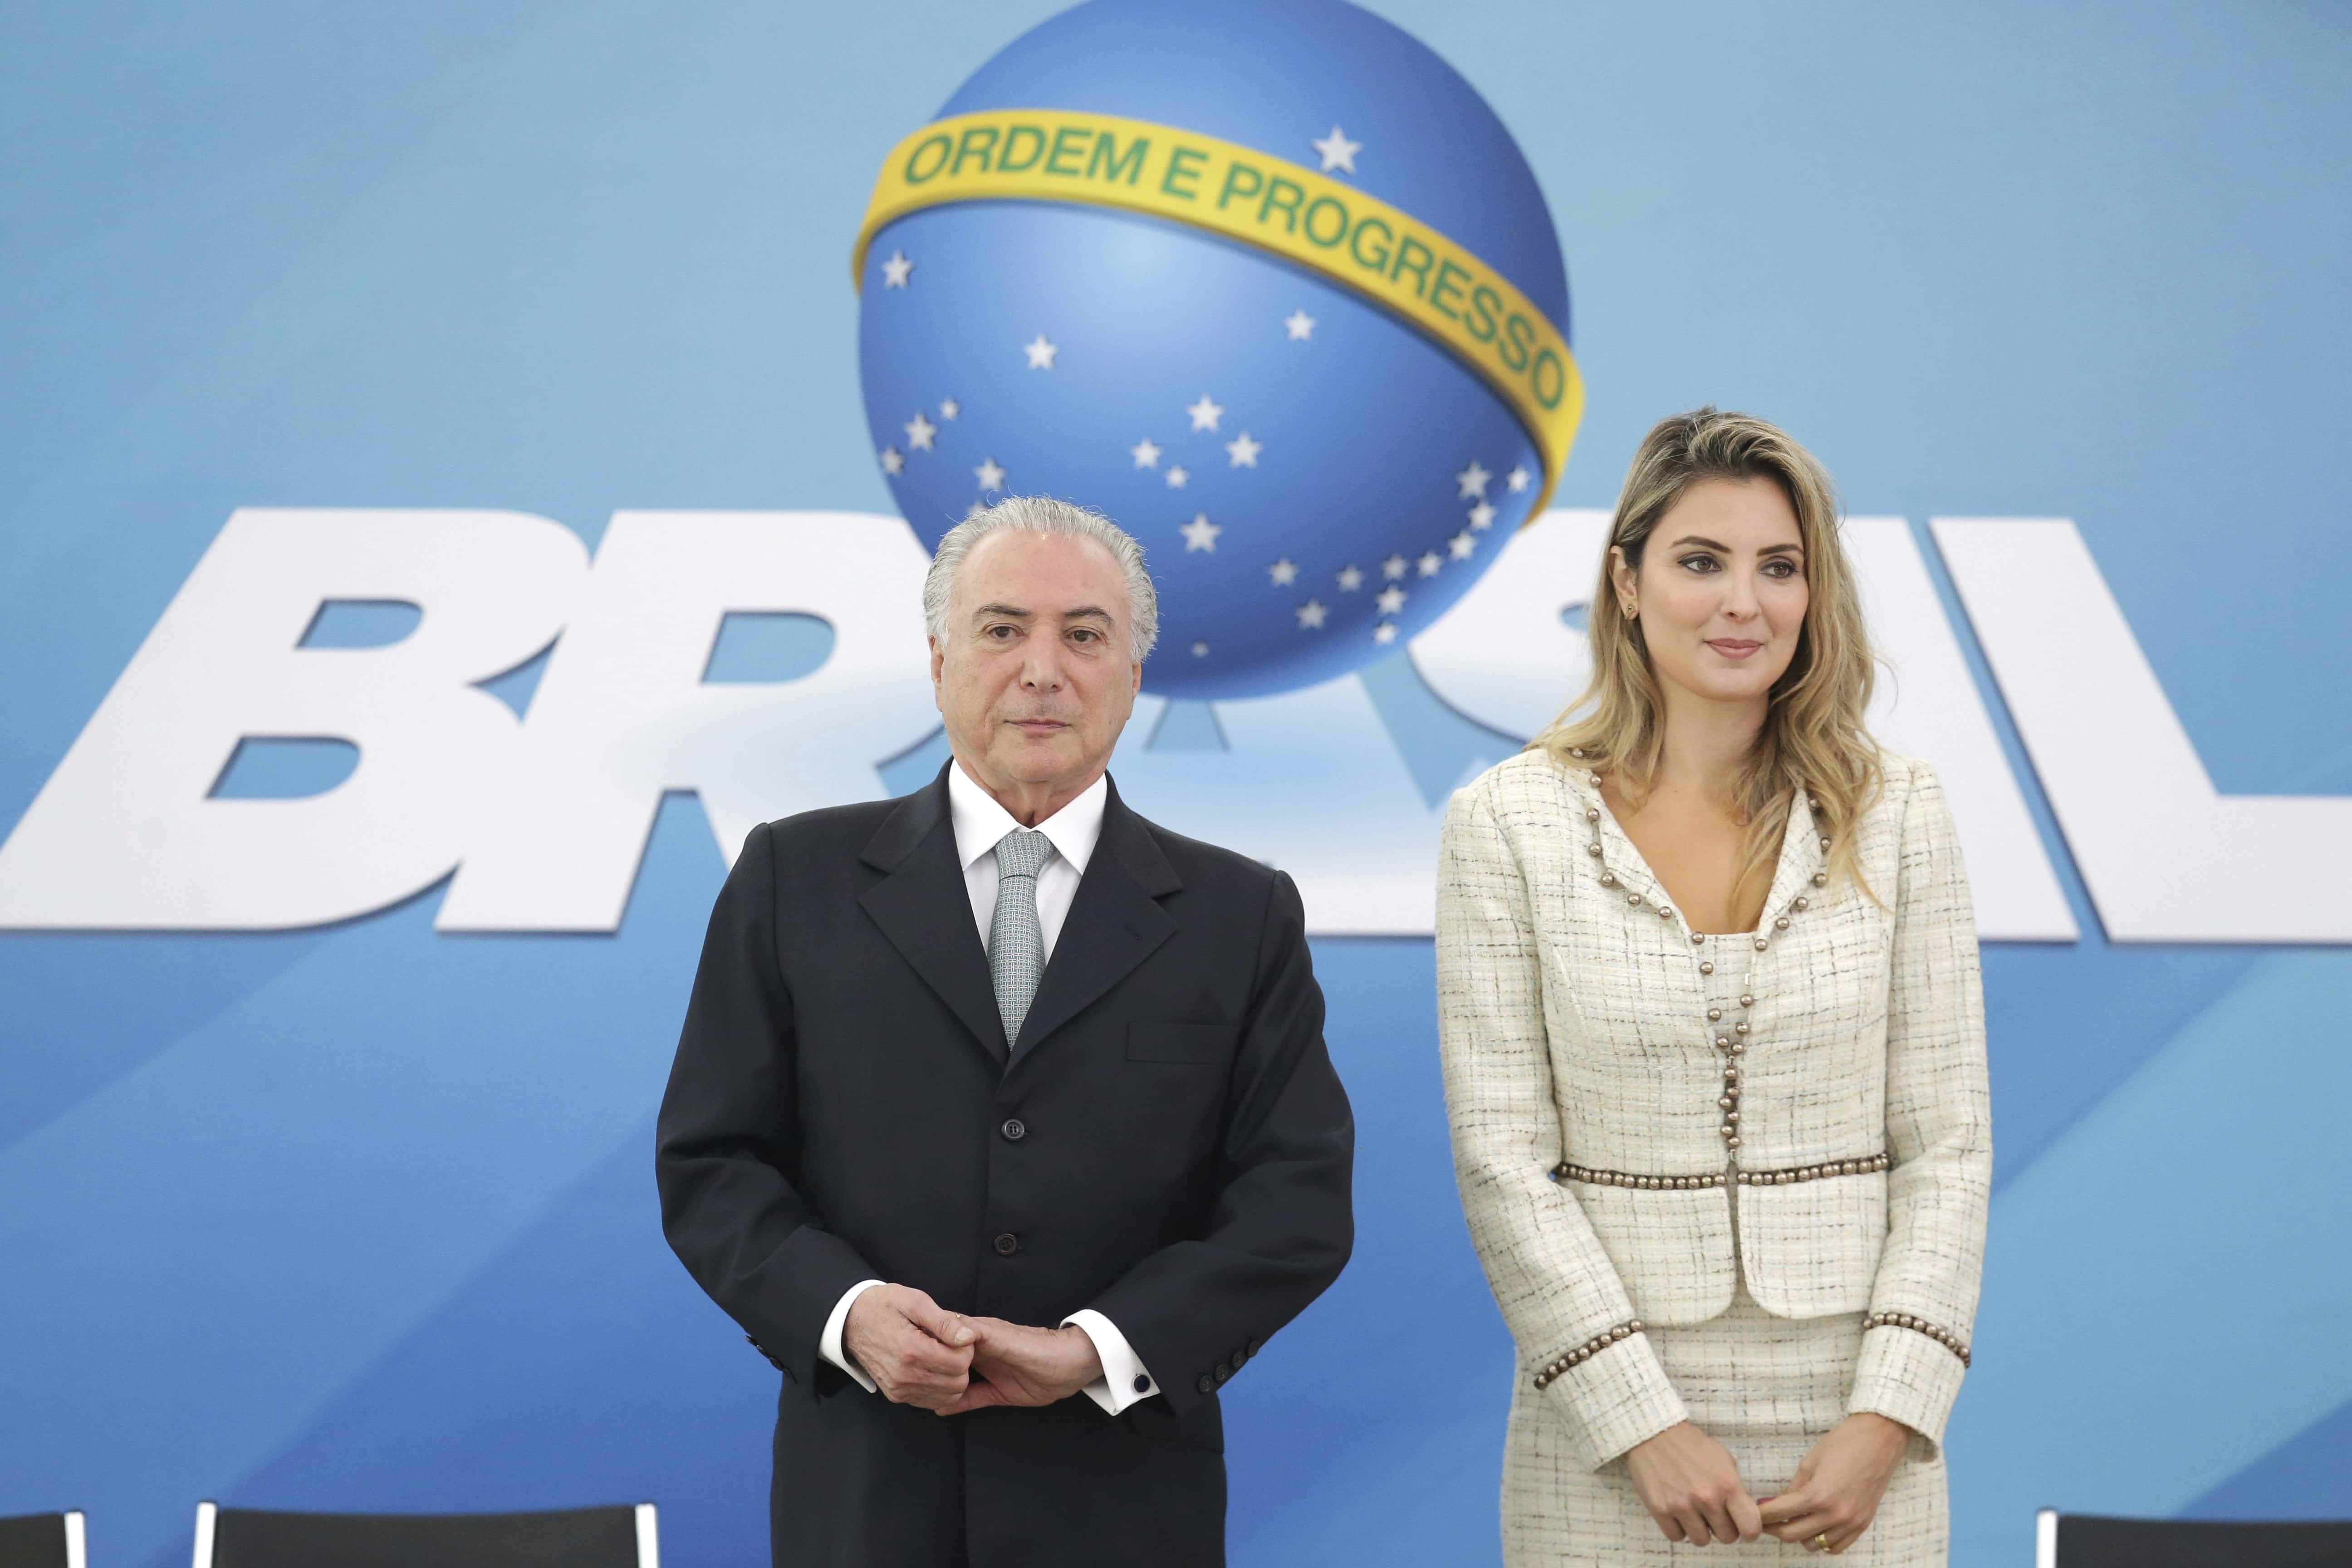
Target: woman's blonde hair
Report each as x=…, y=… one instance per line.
x=1813, y=738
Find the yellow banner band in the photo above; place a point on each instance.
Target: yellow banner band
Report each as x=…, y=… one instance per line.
x=1329, y=228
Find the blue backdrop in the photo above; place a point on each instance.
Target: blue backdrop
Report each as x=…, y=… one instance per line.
x=363, y=1216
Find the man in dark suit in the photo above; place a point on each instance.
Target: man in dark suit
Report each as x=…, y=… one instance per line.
x=1001, y=1120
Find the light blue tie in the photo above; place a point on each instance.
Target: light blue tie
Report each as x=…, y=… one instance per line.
x=1017, y=942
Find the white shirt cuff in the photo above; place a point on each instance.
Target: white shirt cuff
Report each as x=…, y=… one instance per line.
x=1124, y=1380
x=829, y=1345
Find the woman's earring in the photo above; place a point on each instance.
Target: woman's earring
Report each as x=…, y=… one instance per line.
x=1631, y=612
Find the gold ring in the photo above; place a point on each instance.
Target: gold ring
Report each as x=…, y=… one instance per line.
x=1819, y=1543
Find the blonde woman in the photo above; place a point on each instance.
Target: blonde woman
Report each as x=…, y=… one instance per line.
x=1714, y=1052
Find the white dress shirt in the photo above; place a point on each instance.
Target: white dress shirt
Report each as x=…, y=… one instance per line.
x=980, y=822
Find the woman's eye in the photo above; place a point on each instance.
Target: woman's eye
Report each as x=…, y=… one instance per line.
x=1784, y=570
x=1698, y=563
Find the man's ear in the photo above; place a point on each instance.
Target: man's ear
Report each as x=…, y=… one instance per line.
x=938, y=662
x=1137, y=687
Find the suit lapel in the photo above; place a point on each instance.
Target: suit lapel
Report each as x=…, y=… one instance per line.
x=1800, y=857
x=1115, y=924
x=923, y=907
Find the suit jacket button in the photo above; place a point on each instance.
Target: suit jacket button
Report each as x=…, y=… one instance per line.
x=1142, y=1384
x=1207, y=1385
x=1015, y=1130
x=1007, y=1245
x=1223, y=1372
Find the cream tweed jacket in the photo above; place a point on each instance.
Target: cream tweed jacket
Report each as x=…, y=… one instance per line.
x=1641, y=1114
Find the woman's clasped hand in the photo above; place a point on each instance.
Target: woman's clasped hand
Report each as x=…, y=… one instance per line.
x=1691, y=1485
x=1835, y=1494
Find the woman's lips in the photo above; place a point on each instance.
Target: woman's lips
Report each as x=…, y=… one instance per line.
x=1733, y=647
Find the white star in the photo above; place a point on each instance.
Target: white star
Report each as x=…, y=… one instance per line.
x=950, y=408
x=1384, y=633
x=989, y=475
x=1176, y=477
x=1200, y=650
x=1462, y=545
x=1482, y=516
x=920, y=432
x=1201, y=534
x=1310, y=615
x=1283, y=572
x=1244, y=451
x=1473, y=480
x=1351, y=579
x=893, y=462
x=1428, y=562
x=1145, y=454
x=1339, y=152
x=1519, y=478
x=1204, y=414
x=1391, y=599
x=1041, y=353
x=1392, y=568
x=1301, y=325
x=895, y=271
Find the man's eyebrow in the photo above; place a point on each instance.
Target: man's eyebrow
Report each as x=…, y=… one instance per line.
x=1086, y=612
x=1007, y=612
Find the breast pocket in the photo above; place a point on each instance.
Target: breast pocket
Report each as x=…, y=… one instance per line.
x=1202, y=1045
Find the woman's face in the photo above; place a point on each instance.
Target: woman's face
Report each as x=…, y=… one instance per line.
x=1721, y=591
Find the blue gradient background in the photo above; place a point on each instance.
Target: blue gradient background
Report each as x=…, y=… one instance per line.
x=363, y=1217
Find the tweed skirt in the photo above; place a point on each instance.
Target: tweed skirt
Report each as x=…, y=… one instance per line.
x=1764, y=1387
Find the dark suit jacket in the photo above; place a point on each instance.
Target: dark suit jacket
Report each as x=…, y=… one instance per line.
x=840, y=1110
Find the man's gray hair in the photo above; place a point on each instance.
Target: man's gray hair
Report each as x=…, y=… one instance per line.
x=1044, y=514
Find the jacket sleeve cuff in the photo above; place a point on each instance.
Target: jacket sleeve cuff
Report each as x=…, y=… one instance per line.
x=1125, y=1379
x=1905, y=1376
x=1616, y=1399
x=828, y=1345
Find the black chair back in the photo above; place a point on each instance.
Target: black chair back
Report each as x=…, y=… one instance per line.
x=565, y=1538
x=41, y=1541
x=2085, y=1541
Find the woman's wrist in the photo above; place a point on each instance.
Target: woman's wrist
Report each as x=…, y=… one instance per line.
x=1888, y=1434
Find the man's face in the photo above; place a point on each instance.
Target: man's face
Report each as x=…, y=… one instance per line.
x=1035, y=677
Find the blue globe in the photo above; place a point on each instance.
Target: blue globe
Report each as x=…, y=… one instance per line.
x=1313, y=479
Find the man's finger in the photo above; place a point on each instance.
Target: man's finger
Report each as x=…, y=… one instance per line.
x=977, y=1394
x=922, y=1351
x=1718, y=1521
x=926, y=1396
x=1746, y=1518
x=911, y=1360
x=948, y=1328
